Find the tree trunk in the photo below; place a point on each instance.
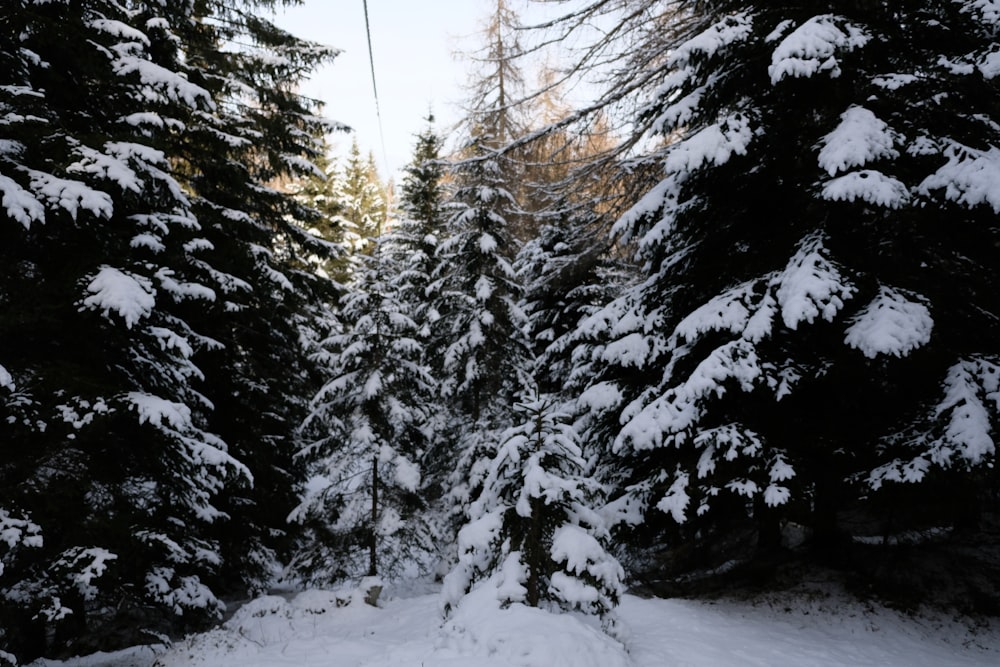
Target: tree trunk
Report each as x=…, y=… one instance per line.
x=372, y=562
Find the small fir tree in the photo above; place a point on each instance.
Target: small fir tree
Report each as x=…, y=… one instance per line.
x=533, y=530
x=361, y=507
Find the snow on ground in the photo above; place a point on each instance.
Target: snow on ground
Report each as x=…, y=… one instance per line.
x=815, y=627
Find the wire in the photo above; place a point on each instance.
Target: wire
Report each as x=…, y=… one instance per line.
x=378, y=112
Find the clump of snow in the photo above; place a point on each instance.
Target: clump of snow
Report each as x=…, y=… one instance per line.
x=16, y=531
x=734, y=28
x=727, y=311
x=70, y=195
x=600, y=397
x=714, y=145
x=813, y=47
x=860, y=138
x=20, y=204
x=970, y=177
x=676, y=500
x=407, y=473
x=986, y=10
x=989, y=65
x=181, y=593
x=867, y=185
x=894, y=81
x=6, y=379
x=972, y=394
x=891, y=324
x=811, y=286
x=130, y=296
x=971, y=398
x=667, y=418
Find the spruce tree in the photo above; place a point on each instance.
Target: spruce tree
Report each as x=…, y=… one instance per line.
x=136, y=235
x=533, y=530
x=363, y=198
x=815, y=335
x=361, y=506
x=419, y=226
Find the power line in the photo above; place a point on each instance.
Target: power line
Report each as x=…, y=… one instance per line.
x=378, y=111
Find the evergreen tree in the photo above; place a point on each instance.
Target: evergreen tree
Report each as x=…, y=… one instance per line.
x=363, y=198
x=361, y=506
x=130, y=429
x=483, y=349
x=319, y=192
x=811, y=341
x=476, y=348
x=418, y=230
x=568, y=274
x=533, y=531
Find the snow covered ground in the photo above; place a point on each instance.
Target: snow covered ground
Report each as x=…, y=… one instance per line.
x=817, y=627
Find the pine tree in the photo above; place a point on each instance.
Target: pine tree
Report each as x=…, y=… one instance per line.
x=481, y=322
x=361, y=506
x=809, y=335
x=477, y=349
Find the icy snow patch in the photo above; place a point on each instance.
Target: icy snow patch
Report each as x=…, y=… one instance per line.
x=813, y=46
x=860, y=138
x=129, y=295
x=890, y=324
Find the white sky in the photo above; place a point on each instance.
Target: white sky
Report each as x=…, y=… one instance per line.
x=416, y=66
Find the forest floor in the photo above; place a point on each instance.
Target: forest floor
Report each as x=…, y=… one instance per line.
x=815, y=623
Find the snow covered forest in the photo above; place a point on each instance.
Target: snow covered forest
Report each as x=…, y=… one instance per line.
x=700, y=295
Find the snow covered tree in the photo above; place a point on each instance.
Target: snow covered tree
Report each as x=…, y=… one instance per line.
x=477, y=349
x=319, y=192
x=126, y=416
x=361, y=505
x=417, y=231
x=362, y=197
x=810, y=331
x=481, y=322
x=533, y=531
x=568, y=274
